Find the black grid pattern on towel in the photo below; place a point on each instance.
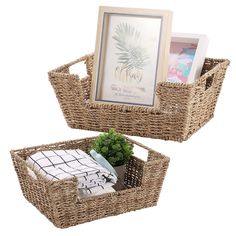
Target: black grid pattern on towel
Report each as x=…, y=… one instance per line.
x=61, y=164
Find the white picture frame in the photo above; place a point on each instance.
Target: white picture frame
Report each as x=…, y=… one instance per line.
x=131, y=55
x=187, y=56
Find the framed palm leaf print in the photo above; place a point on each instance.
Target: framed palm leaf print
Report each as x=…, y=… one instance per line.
x=131, y=55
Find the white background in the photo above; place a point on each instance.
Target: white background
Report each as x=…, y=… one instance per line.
x=198, y=195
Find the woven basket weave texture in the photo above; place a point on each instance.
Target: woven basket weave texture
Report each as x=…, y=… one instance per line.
x=184, y=108
x=59, y=201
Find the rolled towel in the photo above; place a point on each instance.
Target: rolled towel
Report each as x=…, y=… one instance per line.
x=64, y=164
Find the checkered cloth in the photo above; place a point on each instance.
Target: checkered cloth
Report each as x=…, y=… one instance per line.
x=63, y=164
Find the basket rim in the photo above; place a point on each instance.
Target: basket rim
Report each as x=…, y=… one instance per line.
x=59, y=73
x=36, y=147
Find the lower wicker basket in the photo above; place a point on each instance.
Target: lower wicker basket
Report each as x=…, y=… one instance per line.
x=184, y=108
x=59, y=201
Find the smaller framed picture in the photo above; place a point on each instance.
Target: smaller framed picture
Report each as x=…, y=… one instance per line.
x=187, y=56
x=131, y=55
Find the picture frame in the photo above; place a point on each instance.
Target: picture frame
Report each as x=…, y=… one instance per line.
x=187, y=56
x=131, y=55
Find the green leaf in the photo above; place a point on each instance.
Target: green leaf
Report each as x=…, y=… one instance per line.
x=104, y=150
x=130, y=54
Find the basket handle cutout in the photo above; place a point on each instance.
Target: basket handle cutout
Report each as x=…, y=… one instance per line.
x=78, y=69
x=140, y=152
x=209, y=81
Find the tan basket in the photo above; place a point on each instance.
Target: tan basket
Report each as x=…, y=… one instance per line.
x=59, y=202
x=184, y=108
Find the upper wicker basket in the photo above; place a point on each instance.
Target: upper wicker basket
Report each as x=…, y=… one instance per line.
x=184, y=108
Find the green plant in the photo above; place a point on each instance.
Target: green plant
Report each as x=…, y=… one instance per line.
x=114, y=147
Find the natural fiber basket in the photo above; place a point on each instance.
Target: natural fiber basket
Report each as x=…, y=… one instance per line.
x=184, y=108
x=59, y=201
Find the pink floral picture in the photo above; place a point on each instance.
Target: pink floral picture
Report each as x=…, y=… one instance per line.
x=180, y=61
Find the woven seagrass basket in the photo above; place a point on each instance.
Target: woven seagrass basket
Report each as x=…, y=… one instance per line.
x=184, y=108
x=59, y=200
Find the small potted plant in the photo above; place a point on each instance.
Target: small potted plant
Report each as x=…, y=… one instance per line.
x=115, y=149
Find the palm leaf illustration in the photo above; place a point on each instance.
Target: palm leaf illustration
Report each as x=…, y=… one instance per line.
x=131, y=54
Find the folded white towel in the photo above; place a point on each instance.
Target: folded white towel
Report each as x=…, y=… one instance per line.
x=102, y=191
x=63, y=164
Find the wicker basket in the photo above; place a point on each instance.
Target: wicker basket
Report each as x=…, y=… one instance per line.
x=184, y=108
x=59, y=201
